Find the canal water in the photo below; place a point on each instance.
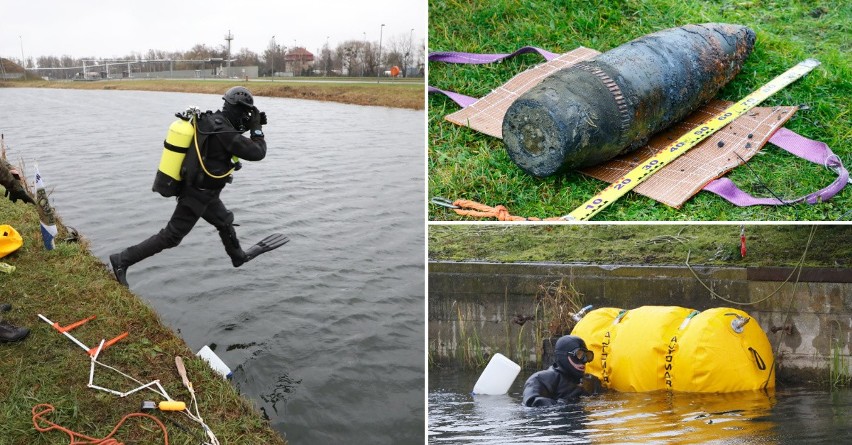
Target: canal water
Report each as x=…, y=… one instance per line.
x=326, y=334
x=784, y=416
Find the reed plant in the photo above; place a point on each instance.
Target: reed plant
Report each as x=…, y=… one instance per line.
x=838, y=367
x=555, y=305
x=469, y=348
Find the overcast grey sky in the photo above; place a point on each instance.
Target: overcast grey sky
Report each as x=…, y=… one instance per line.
x=109, y=28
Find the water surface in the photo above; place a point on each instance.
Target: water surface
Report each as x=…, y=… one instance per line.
x=784, y=416
x=324, y=334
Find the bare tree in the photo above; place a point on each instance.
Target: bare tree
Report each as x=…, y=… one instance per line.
x=246, y=58
x=353, y=56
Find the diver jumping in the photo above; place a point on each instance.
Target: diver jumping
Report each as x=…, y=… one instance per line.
x=202, y=150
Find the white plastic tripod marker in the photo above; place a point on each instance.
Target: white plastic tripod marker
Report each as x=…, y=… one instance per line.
x=154, y=386
x=78, y=342
x=94, y=360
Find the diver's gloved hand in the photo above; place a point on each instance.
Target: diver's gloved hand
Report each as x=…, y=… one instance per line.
x=15, y=195
x=574, y=394
x=543, y=401
x=591, y=385
x=256, y=122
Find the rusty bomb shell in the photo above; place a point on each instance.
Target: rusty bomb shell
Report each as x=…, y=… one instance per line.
x=598, y=109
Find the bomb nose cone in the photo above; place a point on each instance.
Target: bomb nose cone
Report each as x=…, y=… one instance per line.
x=595, y=110
x=544, y=132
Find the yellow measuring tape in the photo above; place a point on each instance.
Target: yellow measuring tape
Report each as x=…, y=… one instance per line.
x=634, y=177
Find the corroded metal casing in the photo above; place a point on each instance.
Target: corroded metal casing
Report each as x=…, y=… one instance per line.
x=598, y=109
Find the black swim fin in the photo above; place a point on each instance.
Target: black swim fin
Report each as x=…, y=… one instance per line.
x=271, y=242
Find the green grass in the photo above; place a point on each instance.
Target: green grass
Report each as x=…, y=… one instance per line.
x=464, y=164
x=668, y=244
x=69, y=284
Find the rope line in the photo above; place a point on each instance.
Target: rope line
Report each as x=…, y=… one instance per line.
x=793, y=294
x=41, y=410
x=479, y=210
x=798, y=267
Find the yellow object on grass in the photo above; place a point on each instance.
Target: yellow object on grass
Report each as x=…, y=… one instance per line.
x=10, y=240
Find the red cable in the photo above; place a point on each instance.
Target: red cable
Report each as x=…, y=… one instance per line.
x=41, y=410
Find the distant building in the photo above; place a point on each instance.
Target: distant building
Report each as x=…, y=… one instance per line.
x=298, y=60
x=10, y=70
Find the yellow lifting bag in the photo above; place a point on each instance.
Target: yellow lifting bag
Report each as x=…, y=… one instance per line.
x=669, y=347
x=637, y=359
x=10, y=240
x=597, y=329
x=723, y=350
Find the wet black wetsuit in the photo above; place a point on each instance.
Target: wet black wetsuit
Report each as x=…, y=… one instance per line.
x=550, y=386
x=199, y=198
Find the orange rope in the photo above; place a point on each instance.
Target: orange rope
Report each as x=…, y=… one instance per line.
x=44, y=409
x=483, y=211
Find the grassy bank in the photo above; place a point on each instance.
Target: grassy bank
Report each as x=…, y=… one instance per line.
x=389, y=93
x=716, y=245
x=464, y=164
x=69, y=284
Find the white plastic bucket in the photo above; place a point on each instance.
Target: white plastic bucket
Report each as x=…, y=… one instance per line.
x=215, y=362
x=497, y=376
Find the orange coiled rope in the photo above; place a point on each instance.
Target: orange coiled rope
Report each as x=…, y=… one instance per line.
x=41, y=410
x=479, y=210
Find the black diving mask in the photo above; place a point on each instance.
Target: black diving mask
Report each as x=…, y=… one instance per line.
x=582, y=355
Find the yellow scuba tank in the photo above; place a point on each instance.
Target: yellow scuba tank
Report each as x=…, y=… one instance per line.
x=178, y=140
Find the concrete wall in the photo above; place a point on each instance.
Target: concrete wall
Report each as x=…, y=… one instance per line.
x=472, y=306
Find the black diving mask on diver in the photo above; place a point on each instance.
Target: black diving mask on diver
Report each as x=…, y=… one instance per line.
x=239, y=115
x=582, y=355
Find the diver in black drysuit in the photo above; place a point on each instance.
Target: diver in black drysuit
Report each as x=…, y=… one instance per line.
x=219, y=137
x=564, y=380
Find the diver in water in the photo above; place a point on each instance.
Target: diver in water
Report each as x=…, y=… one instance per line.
x=206, y=168
x=566, y=379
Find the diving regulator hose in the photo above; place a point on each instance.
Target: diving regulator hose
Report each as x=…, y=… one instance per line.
x=193, y=115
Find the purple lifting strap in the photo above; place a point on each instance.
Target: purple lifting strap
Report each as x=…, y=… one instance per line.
x=460, y=99
x=476, y=59
x=473, y=58
x=811, y=150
